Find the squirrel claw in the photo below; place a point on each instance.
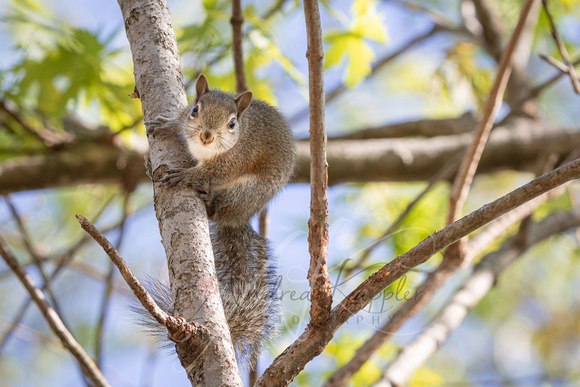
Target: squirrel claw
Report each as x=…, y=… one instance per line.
x=160, y=125
x=173, y=177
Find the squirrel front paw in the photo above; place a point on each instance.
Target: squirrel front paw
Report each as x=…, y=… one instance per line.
x=187, y=176
x=161, y=126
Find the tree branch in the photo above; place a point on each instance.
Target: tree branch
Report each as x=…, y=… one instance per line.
x=514, y=145
x=174, y=325
x=237, y=35
x=321, y=294
x=312, y=341
x=483, y=278
x=87, y=365
x=432, y=283
x=419, y=128
x=473, y=155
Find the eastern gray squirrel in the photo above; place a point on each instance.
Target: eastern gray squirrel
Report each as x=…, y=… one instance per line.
x=244, y=155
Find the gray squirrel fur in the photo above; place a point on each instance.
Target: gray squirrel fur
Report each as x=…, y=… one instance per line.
x=244, y=155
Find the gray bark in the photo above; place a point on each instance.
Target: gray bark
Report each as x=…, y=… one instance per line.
x=181, y=214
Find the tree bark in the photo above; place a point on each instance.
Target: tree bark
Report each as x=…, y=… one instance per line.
x=180, y=212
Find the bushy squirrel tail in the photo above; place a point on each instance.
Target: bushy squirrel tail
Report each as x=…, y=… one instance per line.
x=249, y=285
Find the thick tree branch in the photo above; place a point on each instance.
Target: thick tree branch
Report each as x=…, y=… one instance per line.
x=484, y=277
x=312, y=341
x=419, y=128
x=181, y=214
x=513, y=145
x=432, y=283
x=87, y=365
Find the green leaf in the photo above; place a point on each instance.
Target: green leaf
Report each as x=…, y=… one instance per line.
x=366, y=25
x=359, y=55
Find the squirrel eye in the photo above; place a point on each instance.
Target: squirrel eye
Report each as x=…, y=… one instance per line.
x=194, y=111
x=232, y=124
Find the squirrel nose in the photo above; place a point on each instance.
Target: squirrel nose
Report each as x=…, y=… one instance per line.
x=206, y=138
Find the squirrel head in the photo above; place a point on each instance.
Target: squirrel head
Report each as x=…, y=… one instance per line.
x=212, y=124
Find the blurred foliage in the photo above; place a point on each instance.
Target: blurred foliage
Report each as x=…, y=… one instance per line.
x=366, y=24
x=461, y=66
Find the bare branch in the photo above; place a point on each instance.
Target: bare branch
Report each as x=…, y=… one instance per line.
x=537, y=90
x=514, y=145
x=174, y=325
x=321, y=294
x=105, y=303
x=237, y=35
x=312, y=341
x=484, y=277
x=87, y=365
x=432, y=283
x=420, y=128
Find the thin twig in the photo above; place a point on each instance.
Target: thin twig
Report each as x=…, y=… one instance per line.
x=226, y=49
x=535, y=91
x=87, y=365
x=559, y=65
x=174, y=325
x=109, y=285
x=562, y=49
x=321, y=294
x=237, y=35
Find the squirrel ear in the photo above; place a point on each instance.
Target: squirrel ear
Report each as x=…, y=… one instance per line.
x=243, y=101
x=201, y=87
